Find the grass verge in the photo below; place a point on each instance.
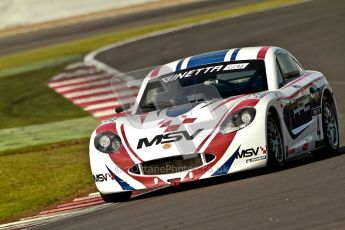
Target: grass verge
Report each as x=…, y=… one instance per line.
x=32, y=135
x=40, y=65
x=26, y=99
x=37, y=178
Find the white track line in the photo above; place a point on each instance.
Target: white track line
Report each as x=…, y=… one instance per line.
x=101, y=105
x=84, y=93
x=96, y=98
x=105, y=96
x=42, y=220
x=62, y=76
x=97, y=90
x=83, y=85
x=79, y=80
x=104, y=113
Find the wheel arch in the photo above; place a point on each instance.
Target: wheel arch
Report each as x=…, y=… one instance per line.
x=273, y=107
x=329, y=95
x=274, y=113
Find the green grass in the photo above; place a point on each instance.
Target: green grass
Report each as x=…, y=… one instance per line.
x=50, y=63
x=32, y=135
x=33, y=179
x=25, y=99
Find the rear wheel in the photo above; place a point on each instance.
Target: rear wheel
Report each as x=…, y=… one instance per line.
x=116, y=197
x=330, y=129
x=276, y=156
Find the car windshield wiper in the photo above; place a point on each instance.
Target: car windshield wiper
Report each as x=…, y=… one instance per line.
x=154, y=106
x=149, y=105
x=225, y=82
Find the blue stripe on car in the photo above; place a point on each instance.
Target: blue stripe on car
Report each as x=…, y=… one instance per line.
x=122, y=183
x=179, y=64
x=234, y=54
x=224, y=169
x=203, y=59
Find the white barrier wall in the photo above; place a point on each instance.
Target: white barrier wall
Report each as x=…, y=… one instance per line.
x=25, y=12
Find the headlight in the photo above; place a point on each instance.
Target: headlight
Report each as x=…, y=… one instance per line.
x=107, y=142
x=238, y=120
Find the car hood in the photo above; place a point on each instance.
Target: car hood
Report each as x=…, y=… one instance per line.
x=174, y=131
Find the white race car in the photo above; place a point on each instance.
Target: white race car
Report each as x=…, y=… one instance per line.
x=214, y=114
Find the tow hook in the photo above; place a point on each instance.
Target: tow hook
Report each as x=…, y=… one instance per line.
x=175, y=182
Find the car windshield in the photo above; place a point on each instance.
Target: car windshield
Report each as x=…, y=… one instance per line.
x=203, y=83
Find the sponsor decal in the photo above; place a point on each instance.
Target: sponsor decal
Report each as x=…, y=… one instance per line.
x=252, y=152
x=256, y=159
x=205, y=70
x=235, y=66
x=103, y=177
x=316, y=111
x=167, y=138
x=166, y=146
x=298, y=115
x=263, y=149
x=292, y=151
x=302, y=107
x=247, y=153
x=305, y=147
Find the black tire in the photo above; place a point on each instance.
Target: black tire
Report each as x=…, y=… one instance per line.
x=116, y=197
x=330, y=129
x=275, y=145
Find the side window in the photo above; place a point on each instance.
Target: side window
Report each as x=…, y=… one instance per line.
x=288, y=67
x=298, y=66
x=280, y=77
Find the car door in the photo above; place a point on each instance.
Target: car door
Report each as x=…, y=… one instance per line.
x=297, y=112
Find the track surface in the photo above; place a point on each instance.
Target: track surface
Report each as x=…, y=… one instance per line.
x=307, y=194
x=15, y=43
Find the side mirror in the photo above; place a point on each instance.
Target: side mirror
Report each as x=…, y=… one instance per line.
x=291, y=74
x=122, y=108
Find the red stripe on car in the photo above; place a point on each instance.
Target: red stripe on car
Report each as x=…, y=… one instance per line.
x=155, y=72
x=127, y=143
x=298, y=79
x=245, y=103
x=218, y=146
x=304, y=87
x=106, y=127
x=262, y=52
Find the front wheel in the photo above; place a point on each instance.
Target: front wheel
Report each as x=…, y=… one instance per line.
x=116, y=197
x=276, y=156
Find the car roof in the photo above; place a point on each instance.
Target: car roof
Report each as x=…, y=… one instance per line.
x=234, y=54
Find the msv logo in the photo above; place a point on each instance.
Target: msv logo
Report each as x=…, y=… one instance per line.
x=247, y=153
x=103, y=177
x=167, y=138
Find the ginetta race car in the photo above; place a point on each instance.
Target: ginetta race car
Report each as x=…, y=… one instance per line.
x=210, y=115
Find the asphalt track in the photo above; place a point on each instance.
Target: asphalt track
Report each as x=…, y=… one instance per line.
x=306, y=194
x=55, y=35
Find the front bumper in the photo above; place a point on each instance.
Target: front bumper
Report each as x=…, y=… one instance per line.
x=221, y=155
